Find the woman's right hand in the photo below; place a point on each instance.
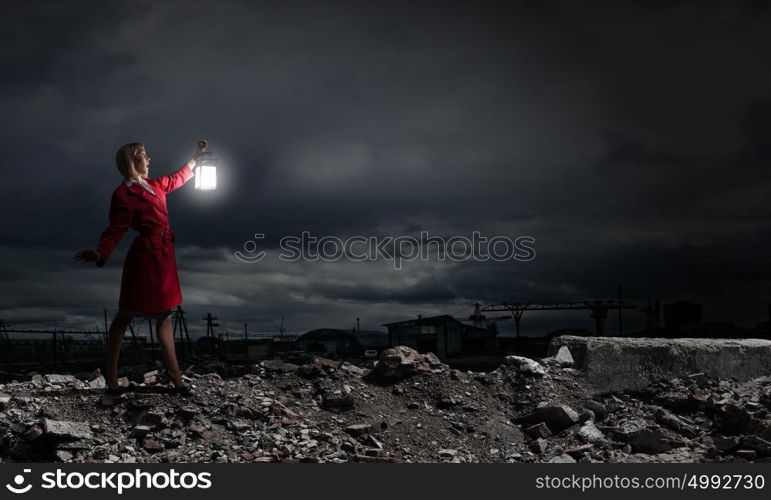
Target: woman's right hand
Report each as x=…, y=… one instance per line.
x=86, y=255
x=200, y=148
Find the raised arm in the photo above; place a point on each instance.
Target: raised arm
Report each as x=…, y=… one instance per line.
x=169, y=183
x=120, y=221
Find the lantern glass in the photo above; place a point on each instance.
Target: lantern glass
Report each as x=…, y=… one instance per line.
x=206, y=177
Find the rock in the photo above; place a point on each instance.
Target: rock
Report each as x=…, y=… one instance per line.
x=726, y=444
x=341, y=401
x=277, y=365
x=4, y=400
x=621, y=364
x=733, y=419
x=526, y=366
x=357, y=430
x=55, y=378
x=447, y=452
x=140, y=431
x=397, y=363
x=579, y=451
x=599, y=409
x=555, y=417
x=759, y=445
x=95, y=374
x=67, y=430
x=97, y=383
x=152, y=445
x=650, y=441
x=700, y=400
x=562, y=459
x=63, y=456
x=538, y=446
x=151, y=377
x=200, y=431
x=749, y=455
x=624, y=430
x=539, y=430
x=353, y=369
x=187, y=412
x=563, y=357
x=154, y=417
x=589, y=433
x=33, y=433
x=673, y=400
x=238, y=425
x=672, y=421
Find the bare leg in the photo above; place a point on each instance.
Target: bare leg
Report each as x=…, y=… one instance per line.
x=114, y=342
x=163, y=329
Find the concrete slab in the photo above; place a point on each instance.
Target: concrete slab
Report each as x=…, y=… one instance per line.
x=617, y=364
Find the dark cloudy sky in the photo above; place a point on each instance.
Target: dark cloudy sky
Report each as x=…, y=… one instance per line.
x=631, y=139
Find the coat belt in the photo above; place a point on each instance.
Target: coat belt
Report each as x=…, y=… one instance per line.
x=155, y=237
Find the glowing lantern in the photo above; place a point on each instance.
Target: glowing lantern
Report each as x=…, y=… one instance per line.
x=206, y=172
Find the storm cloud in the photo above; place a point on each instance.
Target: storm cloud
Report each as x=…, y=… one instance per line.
x=632, y=141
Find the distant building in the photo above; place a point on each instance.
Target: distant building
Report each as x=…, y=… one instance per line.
x=340, y=343
x=682, y=315
x=443, y=335
x=372, y=340
x=716, y=329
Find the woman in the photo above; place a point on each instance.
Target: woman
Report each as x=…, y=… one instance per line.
x=149, y=284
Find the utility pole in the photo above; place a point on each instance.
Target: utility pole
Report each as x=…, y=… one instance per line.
x=210, y=324
x=150, y=329
x=106, y=331
x=181, y=323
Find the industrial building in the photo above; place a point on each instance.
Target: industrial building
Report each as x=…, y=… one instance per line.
x=443, y=335
x=333, y=342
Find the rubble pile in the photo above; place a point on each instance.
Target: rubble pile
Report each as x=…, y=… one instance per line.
x=408, y=407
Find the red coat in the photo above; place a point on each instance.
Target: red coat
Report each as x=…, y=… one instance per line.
x=149, y=283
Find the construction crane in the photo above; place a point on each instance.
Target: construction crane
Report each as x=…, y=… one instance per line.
x=598, y=311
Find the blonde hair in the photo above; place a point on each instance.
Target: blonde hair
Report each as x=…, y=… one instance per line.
x=124, y=159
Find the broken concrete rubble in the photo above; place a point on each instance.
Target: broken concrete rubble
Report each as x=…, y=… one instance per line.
x=66, y=430
x=526, y=366
x=401, y=362
x=556, y=418
x=617, y=364
x=322, y=410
